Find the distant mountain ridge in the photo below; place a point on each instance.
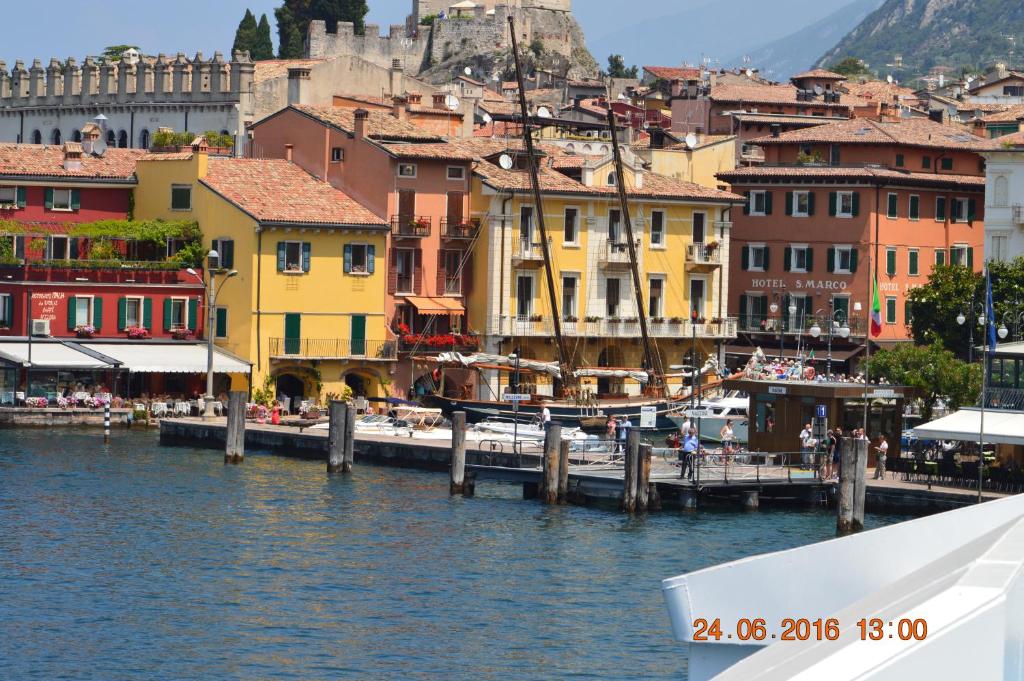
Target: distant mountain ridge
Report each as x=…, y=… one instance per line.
x=929, y=33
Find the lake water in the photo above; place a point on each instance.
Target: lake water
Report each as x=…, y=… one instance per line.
x=132, y=561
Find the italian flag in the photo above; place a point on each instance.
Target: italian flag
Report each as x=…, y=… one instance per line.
x=876, y=312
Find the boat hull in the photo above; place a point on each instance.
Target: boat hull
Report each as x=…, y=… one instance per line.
x=566, y=415
x=711, y=427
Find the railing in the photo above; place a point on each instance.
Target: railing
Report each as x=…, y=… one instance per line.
x=422, y=345
x=411, y=226
x=759, y=323
x=528, y=252
x=607, y=328
x=114, y=272
x=333, y=348
x=1005, y=398
x=404, y=284
x=702, y=254
x=460, y=229
x=616, y=252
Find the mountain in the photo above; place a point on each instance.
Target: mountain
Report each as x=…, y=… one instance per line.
x=931, y=33
x=782, y=58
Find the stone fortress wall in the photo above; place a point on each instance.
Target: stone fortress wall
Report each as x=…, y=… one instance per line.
x=424, y=8
x=373, y=47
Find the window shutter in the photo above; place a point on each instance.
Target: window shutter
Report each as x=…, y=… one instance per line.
x=193, y=312
x=280, y=256
x=746, y=203
x=8, y=320
x=222, y=323
x=167, y=314
x=347, y=259
x=122, y=314
x=913, y=265
x=940, y=257
x=745, y=257
x=768, y=203
x=418, y=271
x=971, y=208
x=441, y=274
x=856, y=204
x=890, y=262
x=940, y=208
x=73, y=248
x=19, y=247
x=743, y=311
x=22, y=198
x=832, y=201
x=767, y=252
x=392, y=271
x=76, y=199
x=467, y=273
x=789, y=203
x=97, y=312
x=970, y=258
x=49, y=198
x=787, y=259
x=831, y=260
x=71, y=313
x=227, y=256
x=853, y=260
x=810, y=259
x=810, y=203
x=147, y=313
x=371, y=255
x=307, y=252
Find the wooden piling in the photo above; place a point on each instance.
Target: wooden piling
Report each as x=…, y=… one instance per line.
x=350, y=440
x=552, y=456
x=844, y=503
x=751, y=500
x=859, y=485
x=106, y=422
x=629, y=478
x=337, y=412
x=234, y=444
x=563, y=472
x=643, y=477
x=457, y=472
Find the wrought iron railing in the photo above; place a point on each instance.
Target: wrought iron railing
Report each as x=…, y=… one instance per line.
x=411, y=226
x=614, y=328
x=703, y=254
x=459, y=229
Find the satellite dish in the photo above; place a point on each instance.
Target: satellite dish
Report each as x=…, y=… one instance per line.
x=543, y=112
x=750, y=73
x=487, y=118
x=505, y=161
x=818, y=90
x=495, y=77
x=451, y=102
x=468, y=71
x=888, y=79
x=691, y=140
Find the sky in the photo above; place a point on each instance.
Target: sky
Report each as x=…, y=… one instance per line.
x=204, y=25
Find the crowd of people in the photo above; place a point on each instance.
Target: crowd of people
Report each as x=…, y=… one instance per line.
x=762, y=368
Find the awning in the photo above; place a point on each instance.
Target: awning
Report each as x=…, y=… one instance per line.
x=789, y=353
x=51, y=355
x=171, y=358
x=427, y=305
x=1001, y=427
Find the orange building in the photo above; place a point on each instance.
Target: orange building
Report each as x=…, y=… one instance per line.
x=834, y=203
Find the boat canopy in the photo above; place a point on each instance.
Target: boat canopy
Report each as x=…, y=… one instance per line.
x=478, y=360
x=597, y=372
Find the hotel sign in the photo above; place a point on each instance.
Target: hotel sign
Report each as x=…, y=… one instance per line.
x=801, y=284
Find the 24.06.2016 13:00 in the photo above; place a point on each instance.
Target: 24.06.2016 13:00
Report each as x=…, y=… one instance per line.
x=802, y=629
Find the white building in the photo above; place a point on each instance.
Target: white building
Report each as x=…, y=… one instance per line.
x=1004, y=198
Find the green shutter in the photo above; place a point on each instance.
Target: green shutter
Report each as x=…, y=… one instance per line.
x=810, y=259
x=853, y=260
x=831, y=260
x=787, y=259
x=71, y=313
x=915, y=207
x=890, y=261
x=307, y=251
x=147, y=313
x=371, y=254
x=970, y=258
x=22, y=197
x=227, y=256
x=281, y=255
x=940, y=256
x=97, y=312
x=746, y=203
x=789, y=203
x=940, y=208
x=193, y=313
x=347, y=259
x=810, y=203
x=745, y=258
x=8, y=321
x=971, y=210
x=167, y=314
x=767, y=252
x=913, y=264
x=856, y=204
x=49, y=198
x=893, y=207
x=122, y=314
x=768, y=203
x=832, y=203
x=292, y=333
x=76, y=199
x=222, y=322
x=743, y=312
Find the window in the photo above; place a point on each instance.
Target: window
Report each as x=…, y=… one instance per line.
x=611, y=180
x=6, y=311
x=1013, y=90
x=179, y=313
x=132, y=313
x=890, y=310
x=60, y=199
x=526, y=227
x=961, y=254
x=143, y=139
x=926, y=161
x=358, y=259
x=404, y=270
x=612, y=298
x=697, y=296
x=892, y=208
x=802, y=205
x=913, y=262
x=753, y=311
x=755, y=258
x=83, y=310
x=451, y=261
x=963, y=210
x=655, y=306
x=571, y=227
x=221, y=322
x=226, y=250
x=337, y=154
x=846, y=204
x=947, y=163
x=9, y=196
x=524, y=296
x=700, y=221
x=17, y=245
x=899, y=160
x=940, y=208
x=914, y=213
x=842, y=260
x=940, y=256
x=569, y=295
x=1001, y=191
x=799, y=258
x=57, y=248
x=614, y=222
x=997, y=248
x=657, y=228
x=456, y=173
x=760, y=203
x=833, y=154
x=37, y=137
x=181, y=197
x=890, y=261
x=293, y=256
x=407, y=170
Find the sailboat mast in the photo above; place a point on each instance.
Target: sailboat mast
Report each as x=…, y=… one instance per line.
x=568, y=377
x=652, y=359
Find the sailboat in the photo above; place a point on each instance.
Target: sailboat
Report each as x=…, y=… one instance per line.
x=578, y=408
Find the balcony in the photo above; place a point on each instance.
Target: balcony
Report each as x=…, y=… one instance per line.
x=608, y=328
x=703, y=258
x=460, y=229
x=333, y=348
x=528, y=255
x=769, y=324
x=615, y=254
x=411, y=226
x=431, y=344
x=97, y=271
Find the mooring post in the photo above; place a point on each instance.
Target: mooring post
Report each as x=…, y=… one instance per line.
x=643, y=477
x=751, y=500
x=563, y=472
x=350, y=439
x=234, y=437
x=630, y=474
x=844, y=502
x=336, y=412
x=106, y=422
x=457, y=472
x=552, y=455
x=860, y=487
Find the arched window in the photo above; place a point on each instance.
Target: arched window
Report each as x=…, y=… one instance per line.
x=611, y=180
x=76, y=135
x=144, y=139
x=55, y=137
x=122, y=139
x=37, y=137
x=111, y=138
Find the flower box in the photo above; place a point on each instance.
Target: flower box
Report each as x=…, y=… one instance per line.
x=182, y=334
x=85, y=331
x=137, y=332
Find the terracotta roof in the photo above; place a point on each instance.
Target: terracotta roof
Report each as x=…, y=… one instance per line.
x=915, y=132
x=820, y=74
x=1009, y=115
x=787, y=119
x=510, y=85
x=988, y=107
x=442, y=151
x=275, y=190
x=765, y=94
x=1014, y=139
x=47, y=160
x=278, y=68
x=674, y=72
x=852, y=173
x=379, y=124
x=168, y=156
x=879, y=91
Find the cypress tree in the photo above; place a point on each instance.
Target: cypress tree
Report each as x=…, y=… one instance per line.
x=245, y=36
x=289, y=34
x=263, y=47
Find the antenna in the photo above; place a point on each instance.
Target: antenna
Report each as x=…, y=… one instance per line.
x=691, y=140
x=505, y=161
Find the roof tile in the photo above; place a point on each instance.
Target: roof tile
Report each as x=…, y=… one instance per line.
x=47, y=160
x=916, y=132
x=379, y=124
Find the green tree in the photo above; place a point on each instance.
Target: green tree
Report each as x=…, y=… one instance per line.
x=329, y=11
x=850, y=66
x=245, y=36
x=934, y=307
x=617, y=68
x=263, y=47
x=114, y=52
x=935, y=372
x=290, y=41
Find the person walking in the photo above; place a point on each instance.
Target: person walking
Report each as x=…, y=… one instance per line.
x=883, y=450
x=728, y=437
x=625, y=426
x=691, y=445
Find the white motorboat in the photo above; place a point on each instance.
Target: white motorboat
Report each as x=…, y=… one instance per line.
x=731, y=407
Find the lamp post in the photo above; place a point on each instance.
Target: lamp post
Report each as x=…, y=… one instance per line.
x=695, y=391
x=212, y=290
x=837, y=324
x=514, y=358
x=973, y=309
x=1016, y=319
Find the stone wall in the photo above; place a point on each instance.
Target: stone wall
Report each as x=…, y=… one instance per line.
x=371, y=46
x=423, y=8
x=489, y=33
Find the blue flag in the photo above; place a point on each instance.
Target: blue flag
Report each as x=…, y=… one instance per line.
x=990, y=312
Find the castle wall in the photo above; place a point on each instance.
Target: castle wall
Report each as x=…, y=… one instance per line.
x=489, y=33
x=424, y=8
x=371, y=46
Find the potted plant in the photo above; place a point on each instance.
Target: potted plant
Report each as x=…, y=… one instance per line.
x=85, y=331
x=137, y=332
x=711, y=246
x=591, y=320
x=536, y=318
x=614, y=320
x=675, y=320
x=570, y=319
x=658, y=320
x=182, y=334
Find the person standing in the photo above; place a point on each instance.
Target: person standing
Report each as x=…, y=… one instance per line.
x=835, y=439
x=728, y=437
x=691, y=445
x=805, y=446
x=545, y=417
x=883, y=450
x=626, y=425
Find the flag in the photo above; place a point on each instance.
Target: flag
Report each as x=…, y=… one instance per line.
x=990, y=312
x=876, y=312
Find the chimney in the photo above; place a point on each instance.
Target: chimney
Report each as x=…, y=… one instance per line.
x=72, y=156
x=414, y=98
x=439, y=98
x=361, y=116
x=288, y=149
x=1020, y=124
x=298, y=86
x=776, y=129
x=399, y=107
x=396, y=77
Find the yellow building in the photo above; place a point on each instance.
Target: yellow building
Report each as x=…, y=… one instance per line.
x=307, y=305
x=710, y=155
x=682, y=237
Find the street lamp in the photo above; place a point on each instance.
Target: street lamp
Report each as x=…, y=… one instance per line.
x=961, y=319
x=212, y=291
x=514, y=358
x=837, y=325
